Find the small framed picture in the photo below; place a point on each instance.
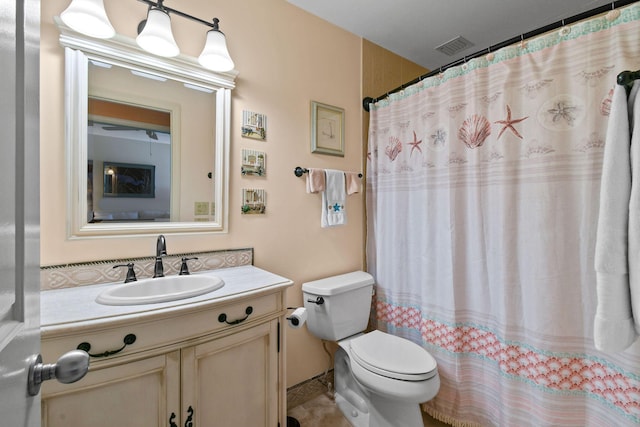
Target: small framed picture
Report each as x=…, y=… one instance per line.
x=327, y=129
x=254, y=162
x=254, y=125
x=254, y=201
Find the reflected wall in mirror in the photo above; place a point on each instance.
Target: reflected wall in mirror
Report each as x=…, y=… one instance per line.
x=131, y=145
x=150, y=134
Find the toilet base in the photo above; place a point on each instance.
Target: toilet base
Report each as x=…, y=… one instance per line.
x=364, y=409
x=406, y=415
x=356, y=417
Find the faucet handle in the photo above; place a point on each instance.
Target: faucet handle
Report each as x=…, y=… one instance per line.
x=184, y=268
x=131, y=274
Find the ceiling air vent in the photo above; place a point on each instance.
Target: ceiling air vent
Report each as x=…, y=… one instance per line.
x=454, y=46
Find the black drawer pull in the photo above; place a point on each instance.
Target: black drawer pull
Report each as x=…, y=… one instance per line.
x=171, y=418
x=223, y=317
x=128, y=340
x=189, y=422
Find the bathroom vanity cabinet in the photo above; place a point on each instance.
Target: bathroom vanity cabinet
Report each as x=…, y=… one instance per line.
x=207, y=363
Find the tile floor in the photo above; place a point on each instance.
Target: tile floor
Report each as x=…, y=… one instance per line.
x=321, y=411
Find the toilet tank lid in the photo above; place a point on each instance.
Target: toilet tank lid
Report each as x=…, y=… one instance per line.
x=338, y=284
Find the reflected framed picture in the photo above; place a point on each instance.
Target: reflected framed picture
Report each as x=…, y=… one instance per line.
x=327, y=129
x=129, y=180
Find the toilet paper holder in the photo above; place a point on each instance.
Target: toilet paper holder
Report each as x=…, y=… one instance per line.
x=298, y=317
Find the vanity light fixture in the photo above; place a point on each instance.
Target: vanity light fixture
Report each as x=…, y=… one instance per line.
x=154, y=33
x=215, y=55
x=88, y=17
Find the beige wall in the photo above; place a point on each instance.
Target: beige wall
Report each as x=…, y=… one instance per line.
x=286, y=58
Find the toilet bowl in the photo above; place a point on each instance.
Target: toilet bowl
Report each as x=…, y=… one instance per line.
x=380, y=379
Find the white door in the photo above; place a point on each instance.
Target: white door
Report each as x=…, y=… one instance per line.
x=19, y=209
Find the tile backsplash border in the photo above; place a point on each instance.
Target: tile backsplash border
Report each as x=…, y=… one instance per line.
x=92, y=273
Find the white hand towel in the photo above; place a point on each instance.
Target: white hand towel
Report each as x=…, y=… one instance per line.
x=634, y=209
x=613, y=323
x=333, y=199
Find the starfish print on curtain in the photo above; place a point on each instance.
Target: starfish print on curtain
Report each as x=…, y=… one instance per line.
x=508, y=124
x=415, y=144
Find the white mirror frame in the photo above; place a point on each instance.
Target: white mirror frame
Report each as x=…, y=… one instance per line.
x=125, y=52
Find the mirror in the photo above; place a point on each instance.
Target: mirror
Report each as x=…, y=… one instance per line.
x=147, y=140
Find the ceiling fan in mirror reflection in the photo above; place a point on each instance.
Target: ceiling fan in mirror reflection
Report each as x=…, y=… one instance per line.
x=154, y=33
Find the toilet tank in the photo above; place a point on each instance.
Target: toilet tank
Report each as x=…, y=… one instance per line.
x=345, y=308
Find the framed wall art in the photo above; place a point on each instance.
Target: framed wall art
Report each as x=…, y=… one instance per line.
x=254, y=125
x=254, y=201
x=254, y=162
x=327, y=129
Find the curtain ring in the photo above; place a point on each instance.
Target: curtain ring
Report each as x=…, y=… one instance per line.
x=523, y=44
x=564, y=30
x=490, y=56
x=613, y=14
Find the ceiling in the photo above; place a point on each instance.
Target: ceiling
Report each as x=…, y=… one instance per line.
x=414, y=28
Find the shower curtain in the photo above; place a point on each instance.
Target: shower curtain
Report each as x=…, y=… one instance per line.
x=482, y=203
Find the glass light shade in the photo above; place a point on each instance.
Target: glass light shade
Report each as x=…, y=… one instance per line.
x=88, y=17
x=215, y=55
x=156, y=36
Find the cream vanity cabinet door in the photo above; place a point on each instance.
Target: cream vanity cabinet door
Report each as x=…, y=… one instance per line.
x=140, y=393
x=233, y=380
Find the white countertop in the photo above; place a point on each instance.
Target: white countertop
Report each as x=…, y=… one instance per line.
x=62, y=308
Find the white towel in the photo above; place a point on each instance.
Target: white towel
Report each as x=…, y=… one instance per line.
x=333, y=199
x=613, y=323
x=634, y=210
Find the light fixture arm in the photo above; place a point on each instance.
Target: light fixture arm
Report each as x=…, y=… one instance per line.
x=159, y=5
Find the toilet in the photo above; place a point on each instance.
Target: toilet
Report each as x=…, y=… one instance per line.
x=380, y=379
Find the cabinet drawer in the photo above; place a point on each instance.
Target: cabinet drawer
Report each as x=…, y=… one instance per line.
x=169, y=328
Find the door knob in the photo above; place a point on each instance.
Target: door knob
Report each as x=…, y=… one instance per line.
x=71, y=367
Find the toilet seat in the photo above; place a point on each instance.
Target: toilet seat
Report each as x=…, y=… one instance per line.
x=393, y=357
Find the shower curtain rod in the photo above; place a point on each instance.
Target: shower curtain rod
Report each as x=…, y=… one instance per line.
x=579, y=17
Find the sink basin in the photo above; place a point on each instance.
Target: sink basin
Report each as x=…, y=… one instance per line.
x=161, y=289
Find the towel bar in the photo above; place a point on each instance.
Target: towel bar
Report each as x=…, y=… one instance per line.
x=299, y=171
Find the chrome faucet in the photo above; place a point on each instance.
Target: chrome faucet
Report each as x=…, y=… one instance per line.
x=161, y=250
